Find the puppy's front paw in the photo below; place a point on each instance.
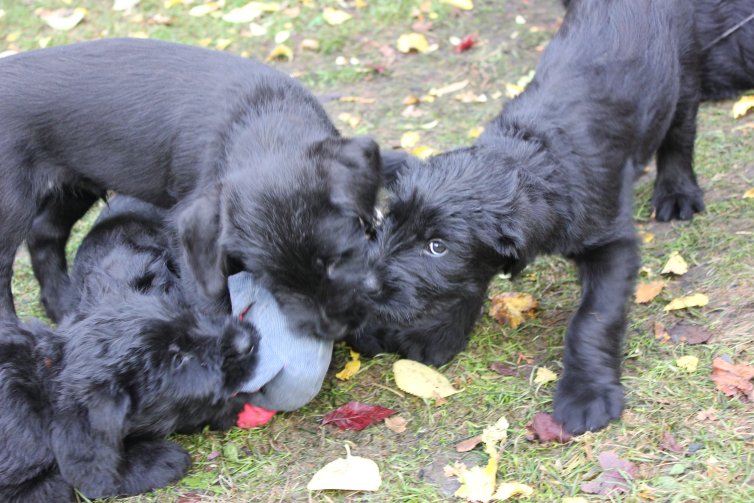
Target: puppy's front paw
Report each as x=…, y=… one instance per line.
x=583, y=406
x=152, y=464
x=677, y=204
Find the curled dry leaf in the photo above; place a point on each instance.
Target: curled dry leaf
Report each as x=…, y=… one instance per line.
x=352, y=366
x=281, y=51
x=742, y=106
x=412, y=42
x=335, y=17
x=616, y=475
x=544, y=428
x=62, y=19
x=513, y=308
x=356, y=416
x=695, y=300
x=676, y=264
x=544, y=375
x=645, y=292
x=733, y=380
x=422, y=381
x=396, y=424
x=507, y=490
x=352, y=473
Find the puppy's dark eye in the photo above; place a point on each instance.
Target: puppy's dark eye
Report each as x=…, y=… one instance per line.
x=437, y=248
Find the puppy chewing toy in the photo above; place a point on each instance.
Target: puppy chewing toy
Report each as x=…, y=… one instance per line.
x=290, y=366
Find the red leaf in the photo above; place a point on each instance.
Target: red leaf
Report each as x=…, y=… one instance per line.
x=465, y=44
x=356, y=416
x=669, y=443
x=251, y=416
x=615, y=477
x=545, y=429
x=502, y=369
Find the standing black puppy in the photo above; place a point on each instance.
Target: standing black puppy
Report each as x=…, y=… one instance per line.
x=552, y=173
x=255, y=174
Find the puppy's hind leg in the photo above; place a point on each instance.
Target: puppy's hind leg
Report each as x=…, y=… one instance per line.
x=676, y=193
x=47, y=240
x=589, y=393
x=150, y=464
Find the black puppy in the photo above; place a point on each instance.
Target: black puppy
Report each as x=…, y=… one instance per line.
x=552, y=173
x=255, y=174
x=725, y=34
x=89, y=405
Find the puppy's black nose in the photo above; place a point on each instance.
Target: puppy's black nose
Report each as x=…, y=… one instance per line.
x=372, y=283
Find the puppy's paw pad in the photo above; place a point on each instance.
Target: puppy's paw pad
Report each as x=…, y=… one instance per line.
x=584, y=407
x=677, y=205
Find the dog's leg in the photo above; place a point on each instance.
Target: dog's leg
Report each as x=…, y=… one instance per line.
x=589, y=392
x=46, y=241
x=676, y=193
x=150, y=464
x=49, y=487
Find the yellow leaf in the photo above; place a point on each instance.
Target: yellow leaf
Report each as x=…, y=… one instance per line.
x=396, y=424
x=450, y=88
x=356, y=99
x=544, y=375
x=282, y=36
x=409, y=139
x=310, y=44
x=352, y=473
x=647, y=237
x=495, y=434
x=423, y=151
x=352, y=366
x=645, y=292
x=476, y=132
x=44, y=41
x=204, y=42
x=222, y=43
x=250, y=12
x=257, y=30
x=204, y=9
x=742, y=106
x=513, y=90
x=513, y=307
x=62, y=19
x=675, y=265
x=335, y=16
x=507, y=490
x=411, y=100
x=12, y=36
x=687, y=363
x=279, y=52
x=422, y=381
x=430, y=125
x=138, y=34
x=696, y=300
x=460, y=4
x=749, y=194
x=172, y=3
x=120, y=5
x=412, y=42
x=477, y=482
x=360, y=4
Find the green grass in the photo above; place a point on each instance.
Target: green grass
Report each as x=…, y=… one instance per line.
x=274, y=462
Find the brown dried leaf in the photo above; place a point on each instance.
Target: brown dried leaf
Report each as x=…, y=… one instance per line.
x=616, y=475
x=513, y=308
x=669, y=443
x=689, y=334
x=544, y=428
x=396, y=424
x=733, y=380
x=469, y=444
x=661, y=334
x=502, y=369
x=645, y=292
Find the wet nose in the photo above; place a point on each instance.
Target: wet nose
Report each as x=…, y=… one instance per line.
x=372, y=283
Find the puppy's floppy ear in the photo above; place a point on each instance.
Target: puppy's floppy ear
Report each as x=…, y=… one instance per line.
x=199, y=228
x=356, y=174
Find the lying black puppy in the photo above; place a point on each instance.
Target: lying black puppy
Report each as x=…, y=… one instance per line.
x=725, y=34
x=552, y=173
x=89, y=405
x=256, y=175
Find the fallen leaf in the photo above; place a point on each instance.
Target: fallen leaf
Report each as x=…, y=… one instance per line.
x=696, y=300
x=512, y=307
x=675, y=265
x=507, y=490
x=280, y=51
x=469, y=444
x=688, y=363
x=352, y=473
x=670, y=444
x=513, y=90
x=470, y=97
x=460, y=4
x=422, y=381
x=544, y=375
x=661, y=334
x=749, y=194
x=544, y=428
x=412, y=42
x=282, y=36
x=160, y=19
x=335, y=17
x=475, y=132
x=450, y=88
x=252, y=416
x=647, y=237
x=352, y=366
x=309, y=44
x=430, y=125
x=250, y=12
x=120, y=5
x=742, y=106
x=356, y=416
x=410, y=139
x=616, y=475
x=687, y=333
x=477, y=482
x=396, y=424
x=411, y=100
x=423, y=151
x=44, y=41
x=222, y=43
x=733, y=380
x=465, y=43
x=62, y=19
x=357, y=99
x=645, y=292
x=204, y=9
x=351, y=119
x=502, y=369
